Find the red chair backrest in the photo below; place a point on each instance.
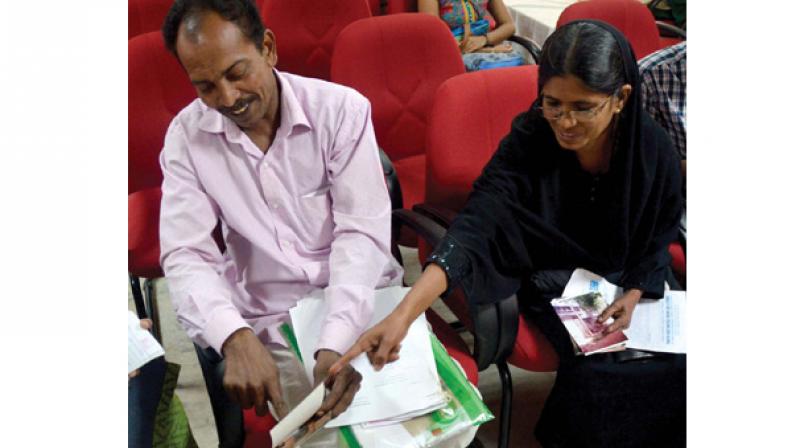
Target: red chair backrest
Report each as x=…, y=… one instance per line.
x=469, y=117
x=631, y=17
x=399, y=6
x=397, y=61
x=306, y=30
x=158, y=88
x=375, y=7
x=145, y=16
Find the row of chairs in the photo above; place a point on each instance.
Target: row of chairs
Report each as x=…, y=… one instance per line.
x=413, y=75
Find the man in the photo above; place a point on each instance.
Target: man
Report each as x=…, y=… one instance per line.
x=664, y=95
x=289, y=166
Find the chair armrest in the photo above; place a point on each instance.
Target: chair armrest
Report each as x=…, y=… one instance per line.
x=495, y=325
x=669, y=30
x=529, y=45
x=441, y=215
x=392, y=182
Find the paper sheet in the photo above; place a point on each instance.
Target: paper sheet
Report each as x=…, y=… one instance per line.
x=657, y=325
x=402, y=389
x=298, y=417
x=142, y=346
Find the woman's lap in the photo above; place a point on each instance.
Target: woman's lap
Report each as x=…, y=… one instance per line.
x=602, y=400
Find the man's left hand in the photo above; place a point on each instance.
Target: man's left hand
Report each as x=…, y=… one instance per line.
x=343, y=385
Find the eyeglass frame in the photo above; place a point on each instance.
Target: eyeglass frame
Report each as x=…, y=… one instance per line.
x=591, y=112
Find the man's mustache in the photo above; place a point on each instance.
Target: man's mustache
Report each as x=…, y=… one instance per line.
x=236, y=106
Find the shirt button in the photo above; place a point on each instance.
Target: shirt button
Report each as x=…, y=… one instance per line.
x=286, y=244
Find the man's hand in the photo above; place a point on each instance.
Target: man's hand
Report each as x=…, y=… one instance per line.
x=343, y=384
x=251, y=375
x=621, y=310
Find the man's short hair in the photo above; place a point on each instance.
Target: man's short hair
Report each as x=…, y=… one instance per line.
x=241, y=12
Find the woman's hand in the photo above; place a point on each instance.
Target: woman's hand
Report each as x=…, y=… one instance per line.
x=381, y=343
x=472, y=44
x=621, y=310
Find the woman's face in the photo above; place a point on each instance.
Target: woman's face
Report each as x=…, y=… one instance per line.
x=580, y=117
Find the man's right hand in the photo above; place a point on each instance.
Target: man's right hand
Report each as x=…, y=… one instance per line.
x=251, y=375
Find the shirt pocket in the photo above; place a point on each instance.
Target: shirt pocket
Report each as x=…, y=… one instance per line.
x=315, y=217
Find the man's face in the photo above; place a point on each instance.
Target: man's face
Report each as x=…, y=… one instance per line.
x=230, y=74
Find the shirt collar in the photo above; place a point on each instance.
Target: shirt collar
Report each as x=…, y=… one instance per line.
x=292, y=113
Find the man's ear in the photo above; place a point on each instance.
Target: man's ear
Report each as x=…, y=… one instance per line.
x=270, y=50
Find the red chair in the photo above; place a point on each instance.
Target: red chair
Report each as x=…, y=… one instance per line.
x=398, y=61
x=158, y=88
x=399, y=6
x=145, y=16
x=631, y=17
x=306, y=30
x=460, y=142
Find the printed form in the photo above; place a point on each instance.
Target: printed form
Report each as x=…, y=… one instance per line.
x=403, y=389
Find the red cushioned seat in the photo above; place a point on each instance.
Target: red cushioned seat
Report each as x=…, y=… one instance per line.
x=158, y=89
x=398, y=61
x=256, y=429
x=630, y=17
x=143, y=244
x=306, y=30
x=411, y=174
x=678, y=261
x=145, y=16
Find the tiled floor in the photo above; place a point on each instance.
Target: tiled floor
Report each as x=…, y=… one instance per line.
x=530, y=389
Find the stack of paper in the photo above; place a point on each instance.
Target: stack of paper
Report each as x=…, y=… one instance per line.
x=402, y=390
x=142, y=346
x=656, y=325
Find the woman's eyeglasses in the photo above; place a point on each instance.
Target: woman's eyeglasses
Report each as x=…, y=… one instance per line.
x=550, y=112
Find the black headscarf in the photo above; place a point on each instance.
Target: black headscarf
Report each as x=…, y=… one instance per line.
x=522, y=216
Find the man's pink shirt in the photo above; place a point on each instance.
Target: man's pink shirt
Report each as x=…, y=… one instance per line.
x=313, y=212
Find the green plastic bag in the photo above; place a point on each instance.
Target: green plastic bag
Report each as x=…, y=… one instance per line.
x=172, y=426
x=464, y=407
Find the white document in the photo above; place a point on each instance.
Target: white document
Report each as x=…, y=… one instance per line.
x=583, y=281
x=403, y=389
x=656, y=325
x=142, y=346
x=299, y=415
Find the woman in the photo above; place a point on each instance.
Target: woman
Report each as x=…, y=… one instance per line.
x=483, y=43
x=584, y=179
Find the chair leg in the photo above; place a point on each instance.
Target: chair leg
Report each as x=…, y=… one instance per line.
x=505, y=405
x=136, y=289
x=152, y=307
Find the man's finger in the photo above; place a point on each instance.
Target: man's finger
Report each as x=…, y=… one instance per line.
x=347, y=398
x=260, y=401
x=275, y=397
x=340, y=384
x=249, y=396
